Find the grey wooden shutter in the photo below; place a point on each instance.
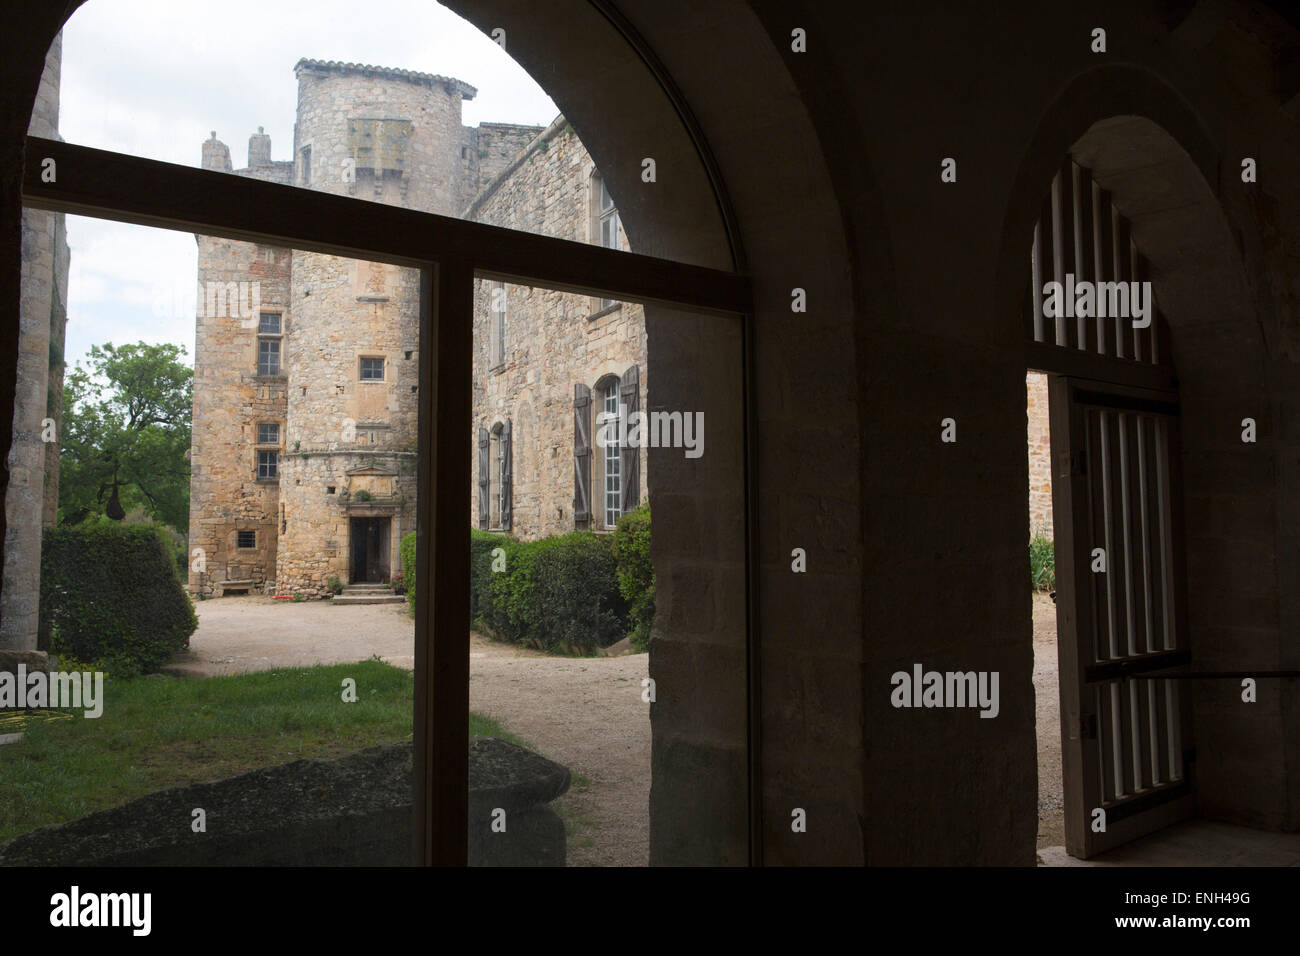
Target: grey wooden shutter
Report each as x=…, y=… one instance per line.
x=581, y=455
x=484, y=482
x=629, y=400
x=507, y=477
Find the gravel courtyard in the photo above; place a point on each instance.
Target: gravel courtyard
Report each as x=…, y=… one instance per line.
x=585, y=713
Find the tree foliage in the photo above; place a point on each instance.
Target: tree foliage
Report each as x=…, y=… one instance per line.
x=126, y=434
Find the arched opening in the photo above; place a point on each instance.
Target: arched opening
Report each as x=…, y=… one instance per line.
x=689, y=338
x=1121, y=466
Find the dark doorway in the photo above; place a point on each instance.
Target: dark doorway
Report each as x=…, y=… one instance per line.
x=369, y=550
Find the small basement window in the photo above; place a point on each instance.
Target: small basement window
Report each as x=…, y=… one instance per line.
x=247, y=539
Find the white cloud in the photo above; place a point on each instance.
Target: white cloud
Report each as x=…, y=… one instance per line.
x=153, y=78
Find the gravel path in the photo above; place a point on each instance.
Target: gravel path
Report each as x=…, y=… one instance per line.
x=585, y=713
x=1047, y=695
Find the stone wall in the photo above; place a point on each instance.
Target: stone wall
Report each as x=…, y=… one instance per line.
x=553, y=340
x=231, y=399
x=378, y=134
x=343, y=433
x=1040, y=455
x=416, y=165
x=486, y=151
x=42, y=313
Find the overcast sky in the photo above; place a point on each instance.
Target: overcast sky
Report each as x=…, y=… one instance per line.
x=154, y=77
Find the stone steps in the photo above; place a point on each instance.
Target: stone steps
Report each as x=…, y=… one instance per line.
x=369, y=594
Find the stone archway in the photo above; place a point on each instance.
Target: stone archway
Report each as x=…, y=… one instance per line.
x=1181, y=195
x=705, y=806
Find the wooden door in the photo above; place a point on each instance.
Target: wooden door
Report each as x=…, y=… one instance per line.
x=1126, y=742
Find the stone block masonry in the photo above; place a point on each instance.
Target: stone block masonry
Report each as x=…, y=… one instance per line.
x=33, y=461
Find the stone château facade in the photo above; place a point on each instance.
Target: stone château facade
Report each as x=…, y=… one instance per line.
x=305, y=406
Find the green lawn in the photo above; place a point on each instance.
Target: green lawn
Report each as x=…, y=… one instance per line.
x=157, y=733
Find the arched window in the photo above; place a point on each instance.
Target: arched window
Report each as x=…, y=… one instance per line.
x=494, y=483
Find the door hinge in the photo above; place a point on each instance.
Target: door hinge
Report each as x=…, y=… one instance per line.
x=1088, y=727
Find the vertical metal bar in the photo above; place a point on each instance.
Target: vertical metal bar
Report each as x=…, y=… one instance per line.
x=1036, y=280
x=1123, y=558
x=441, y=807
x=1062, y=244
x=1108, y=508
x=1139, y=335
x=1159, y=733
x=1168, y=634
x=1122, y=771
x=1081, y=195
x=1174, y=712
x=1101, y=266
x=1105, y=742
x=1119, y=273
x=1153, y=332
x=1124, y=695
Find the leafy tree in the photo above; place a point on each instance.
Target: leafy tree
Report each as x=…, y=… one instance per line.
x=126, y=435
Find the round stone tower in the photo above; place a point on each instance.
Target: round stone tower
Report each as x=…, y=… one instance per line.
x=351, y=333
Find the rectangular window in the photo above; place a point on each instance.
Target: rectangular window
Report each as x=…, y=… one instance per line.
x=306, y=165
x=501, y=484
x=268, y=464
x=609, y=227
x=268, y=434
x=372, y=370
x=269, y=323
x=613, y=457
x=247, y=539
x=268, y=357
x=499, y=303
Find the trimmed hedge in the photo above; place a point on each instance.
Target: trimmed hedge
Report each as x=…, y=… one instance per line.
x=556, y=594
x=569, y=593
x=636, y=574
x=481, y=546
x=408, y=566
x=110, y=594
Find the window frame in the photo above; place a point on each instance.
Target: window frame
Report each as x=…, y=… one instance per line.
x=270, y=345
x=383, y=369
x=450, y=254
x=239, y=533
x=611, y=482
x=604, y=212
x=272, y=463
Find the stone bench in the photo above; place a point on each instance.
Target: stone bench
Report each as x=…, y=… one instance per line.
x=352, y=811
x=244, y=585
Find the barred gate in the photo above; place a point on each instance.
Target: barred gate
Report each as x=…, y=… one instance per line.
x=1127, y=753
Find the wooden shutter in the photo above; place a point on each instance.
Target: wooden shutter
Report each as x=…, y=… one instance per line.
x=507, y=473
x=581, y=455
x=484, y=482
x=630, y=401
